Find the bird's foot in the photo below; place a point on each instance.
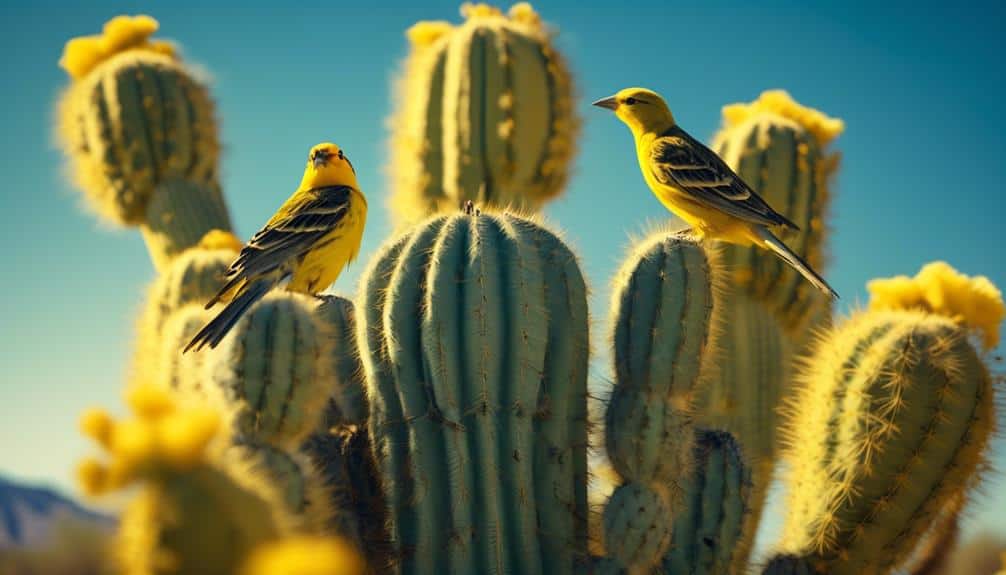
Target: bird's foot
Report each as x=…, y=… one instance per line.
x=470, y=209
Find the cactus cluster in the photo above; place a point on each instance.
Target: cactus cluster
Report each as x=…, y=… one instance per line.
x=441, y=424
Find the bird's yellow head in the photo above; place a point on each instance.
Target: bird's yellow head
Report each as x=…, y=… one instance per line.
x=327, y=165
x=641, y=109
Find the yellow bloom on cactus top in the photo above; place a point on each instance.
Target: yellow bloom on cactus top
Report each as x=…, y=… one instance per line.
x=823, y=127
x=122, y=33
x=305, y=555
x=426, y=33
x=938, y=288
x=220, y=240
x=159, y=436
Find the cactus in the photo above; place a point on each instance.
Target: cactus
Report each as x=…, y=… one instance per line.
x=473, y=333
x=272, y=372
x=709, y=527
x=780, y=148
x=890, y=423
x=196, y=511
x=169, y=368
x=192, y=278
x=664, y=318
x=485, y=113
x=753, y=373
x=139, y=132
x=637, y=529
x=752, y=379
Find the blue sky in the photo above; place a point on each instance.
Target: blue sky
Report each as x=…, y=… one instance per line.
x=919, y=85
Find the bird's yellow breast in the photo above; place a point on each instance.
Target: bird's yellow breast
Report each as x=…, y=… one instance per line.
x=335, y=250
x=704, y=221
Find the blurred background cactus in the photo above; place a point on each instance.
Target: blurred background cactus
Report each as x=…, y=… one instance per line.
x=484, y=113
x=139, y=131
x=440, y=425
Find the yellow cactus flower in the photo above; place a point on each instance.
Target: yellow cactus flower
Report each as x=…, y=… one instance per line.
x=821, y=126
x=183, y=436
x=220, y=240
x=524, y=13
x=940, y=289
x=159, y=436
x=305, y=555
x=428, y=32
x=122, y=33
x=149, y=402
x=479, y=10
x=92, y=476
x=134, y=443
x=97, y=424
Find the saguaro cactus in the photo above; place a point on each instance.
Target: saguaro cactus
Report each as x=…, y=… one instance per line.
x=780, y=148
x=664, y=325
x=473, y=333
x=485, y=113
x=139, y=131
x=891, y=422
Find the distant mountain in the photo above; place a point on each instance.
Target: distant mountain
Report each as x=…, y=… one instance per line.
x=28, y=515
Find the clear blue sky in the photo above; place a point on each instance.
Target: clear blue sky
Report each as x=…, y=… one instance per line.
x=919, y=84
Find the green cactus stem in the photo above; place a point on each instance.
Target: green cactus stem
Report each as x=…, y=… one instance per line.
x=475, y=363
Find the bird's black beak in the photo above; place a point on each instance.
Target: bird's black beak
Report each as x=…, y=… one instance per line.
x=319, y=159
x=610, y=103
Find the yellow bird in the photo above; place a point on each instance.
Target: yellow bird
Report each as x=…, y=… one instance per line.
x=698, y=186
x=307, y=243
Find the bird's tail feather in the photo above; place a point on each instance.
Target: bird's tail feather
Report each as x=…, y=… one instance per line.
x=787, y=255
x=219, y=326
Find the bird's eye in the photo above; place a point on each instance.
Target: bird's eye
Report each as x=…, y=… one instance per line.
x=341, y=156
x=630, y=100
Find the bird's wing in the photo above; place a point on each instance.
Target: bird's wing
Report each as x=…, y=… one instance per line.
x=681, y=161
x=306, y=219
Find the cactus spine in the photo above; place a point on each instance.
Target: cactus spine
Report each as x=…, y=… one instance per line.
x=890, y=424
x=141, y=137
x=780, y=148
x=485, y=113
x=709, y=527
x=478, y=370
x=664, y=327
